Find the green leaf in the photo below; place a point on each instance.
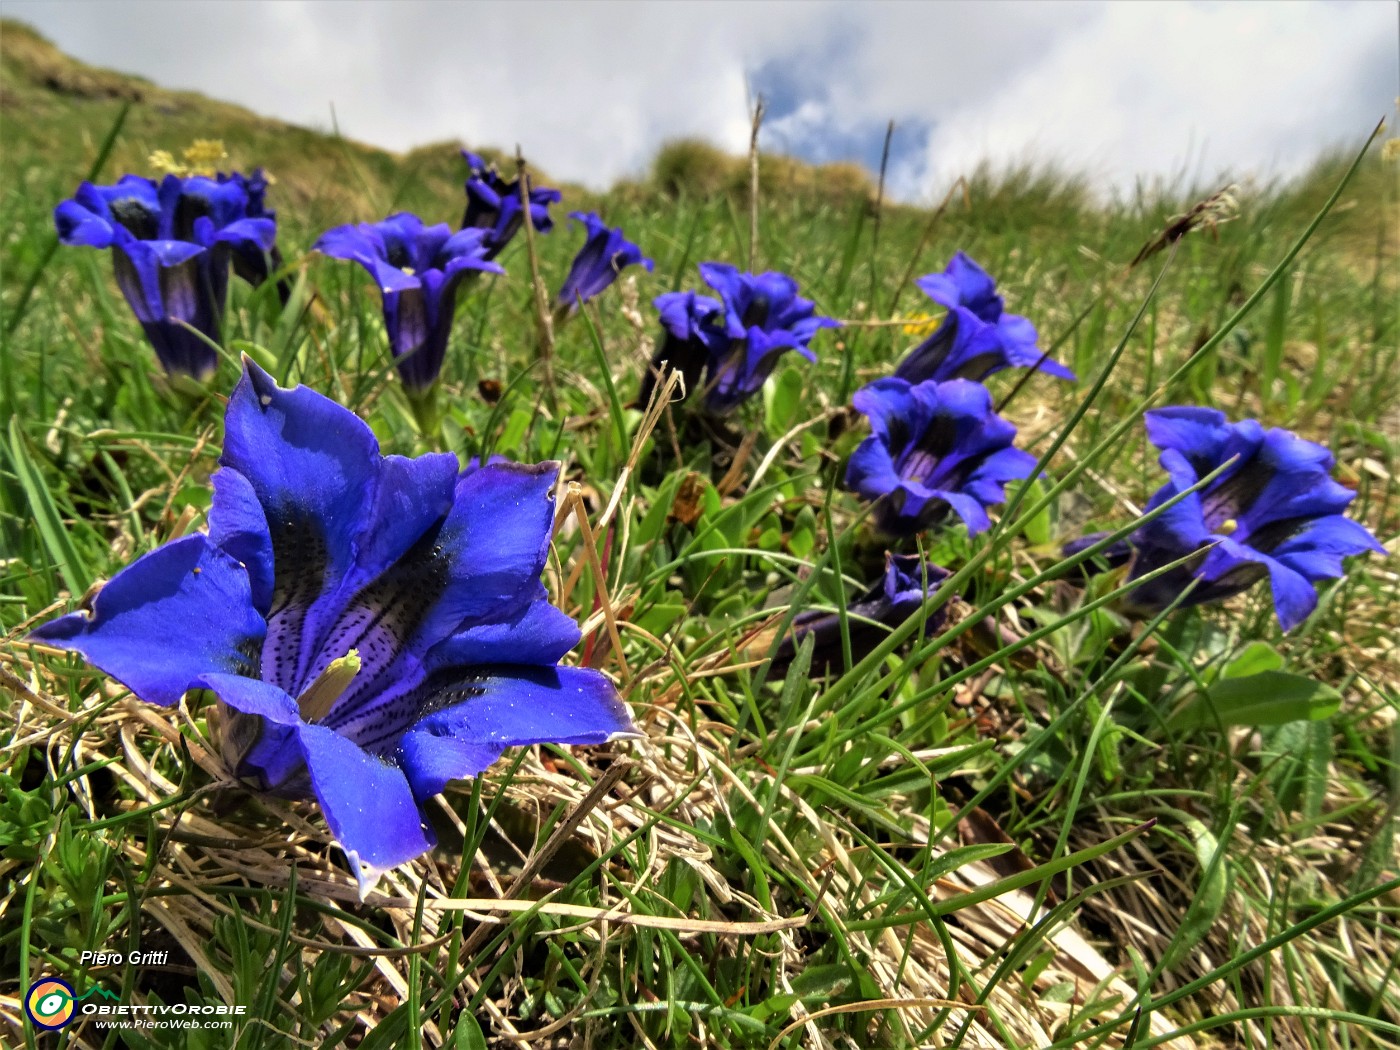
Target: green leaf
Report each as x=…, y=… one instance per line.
x=514, y=432
x=468, y=1034
x=803, y=538
x=661, y=617
x=821, y=982
x=1275, y=330
x=655, y=520
x=772, y=1007
x=783, y=402
x=47, y=518
x=1209, y=899
x=1255, y=658
x=1269, y=698
x=821, y=789
x=1041, y=526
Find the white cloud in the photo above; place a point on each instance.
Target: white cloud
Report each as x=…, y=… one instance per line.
x=590, y=90
x=1183, y=89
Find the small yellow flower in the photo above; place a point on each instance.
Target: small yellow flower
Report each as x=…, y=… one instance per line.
x=1390, y=152
x=164, y=163
x=200, y=157
x=920, y=324
x=203, y=156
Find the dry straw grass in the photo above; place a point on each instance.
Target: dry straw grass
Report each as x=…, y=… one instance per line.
x=680, y=768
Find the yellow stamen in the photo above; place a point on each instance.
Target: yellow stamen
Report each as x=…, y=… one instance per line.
x=1228, y=527
x=318, y=699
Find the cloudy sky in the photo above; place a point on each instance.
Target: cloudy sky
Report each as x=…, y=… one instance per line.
x=1182, y=89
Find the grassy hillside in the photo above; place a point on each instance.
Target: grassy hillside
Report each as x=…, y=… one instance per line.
x=996, y=836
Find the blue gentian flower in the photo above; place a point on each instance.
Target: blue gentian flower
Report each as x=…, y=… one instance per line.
x=1274, y=512
x=255, y=185
x=372, y=626
x=977, y=337
x=935, y=447
x=171, y=249
x=690, y=340
x=764, y=318
x=599, y=261
x=727, y=348
x=249, y=262
x=418, y=269
x=493, y=205
x=908, y=582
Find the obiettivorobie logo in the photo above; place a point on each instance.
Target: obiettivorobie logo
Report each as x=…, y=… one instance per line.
x=51, y=1001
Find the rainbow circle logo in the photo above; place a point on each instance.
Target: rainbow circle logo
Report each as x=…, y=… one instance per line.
x=49, y=1003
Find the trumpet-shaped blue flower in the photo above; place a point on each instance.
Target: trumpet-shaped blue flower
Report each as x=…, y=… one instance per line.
x=729, y=347
x=372, y=626
x=909, y=581
x=603, y=256
x=1274, y=512
x=249, y=262
x=255, y=186
x=977, y=337
x=419, y=270
x=171, y=249
x=493, y=205
x=934, y=447
x=690, y=339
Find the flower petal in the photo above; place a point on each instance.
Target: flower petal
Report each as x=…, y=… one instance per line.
x=258, y=733
x=467, y=248
x=1007, y=464
x=926, y=360
x=1180, y=528
x=79, y=226
x=538, y=634
x=368, y=804
x=366, y=798
x=896, y=414
x=1291, y=479
x=132, y=632
x=498, y=537
x=1019, y=337
x=410, y=496
x=238, y=526
x=314, y=467
x=396, y=576
x=259, y=234
x=365, y=245
x=963, y=283
x=1317, y=548
x=967, y=507
x=870, y=471
x=512, y=706
x=604, y=253
x=1199, y=434
x=482, y=563
x=977, y=349
x=1294, y=596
